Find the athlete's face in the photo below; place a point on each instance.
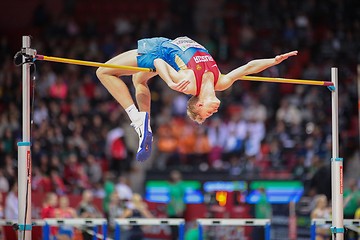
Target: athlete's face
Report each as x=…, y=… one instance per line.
x=208, y=108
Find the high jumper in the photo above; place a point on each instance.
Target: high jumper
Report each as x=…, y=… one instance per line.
x=185, y=66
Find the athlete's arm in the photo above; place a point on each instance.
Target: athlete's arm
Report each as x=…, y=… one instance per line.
x=172, y=78
x=254, y=66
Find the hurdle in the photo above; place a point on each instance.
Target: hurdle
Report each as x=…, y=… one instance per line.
x=180, y=222
x=77, y=222
x=234, y=222
x=30, y=55
x=321, y=222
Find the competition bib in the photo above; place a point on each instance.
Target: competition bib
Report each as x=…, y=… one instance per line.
x=184, y=43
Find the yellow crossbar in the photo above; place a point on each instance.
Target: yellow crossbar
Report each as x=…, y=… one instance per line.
x=287, y=80
x=139, y=69
x=91, y=64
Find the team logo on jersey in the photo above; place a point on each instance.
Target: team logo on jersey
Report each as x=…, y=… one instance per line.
x=203, y=58
x=198, y=67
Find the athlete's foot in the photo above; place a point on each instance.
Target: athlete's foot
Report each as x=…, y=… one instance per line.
x=142, y=127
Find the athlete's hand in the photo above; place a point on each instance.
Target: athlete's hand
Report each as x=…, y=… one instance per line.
x=180, y=86
x=282, y=57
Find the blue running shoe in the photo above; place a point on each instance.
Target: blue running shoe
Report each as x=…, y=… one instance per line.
x=143, y=129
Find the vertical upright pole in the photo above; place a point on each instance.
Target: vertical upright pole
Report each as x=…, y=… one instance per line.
x=358, y=88
x=24, y=156
x=337, y=227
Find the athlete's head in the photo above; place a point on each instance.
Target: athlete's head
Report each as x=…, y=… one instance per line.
x=199, y=110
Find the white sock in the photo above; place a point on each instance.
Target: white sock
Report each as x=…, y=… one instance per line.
x=132, y=112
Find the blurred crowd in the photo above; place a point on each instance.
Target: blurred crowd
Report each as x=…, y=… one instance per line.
x=79, y=132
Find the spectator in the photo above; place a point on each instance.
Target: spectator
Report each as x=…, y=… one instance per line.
x=263, y=209
x=93, y=169
x=167, y=146
x=98, y=190
x=321, y=210
x=255, y=110
x=119, y=161
x=282, y=133
x=176, y=207
x=49, y=205
x=217, y=134
x=71, y=171
x=276, y=154
x=7, y=142
x=48, y=210
x=123, y=189
x=109, y=189
x=57, y=183
x=2, y=212
x=255, y=134
x=186, y=142
x=10, y=170
x=41, y=113
x=83, y=179
x=351, y=199
x=11, y=202
x=116, y=209
x=320, y=183
x=192, y=233
x=138, y=209
x=236, y=132
x=288, y=113
x=59, y=89
x=179, y=105
x=4, y=183
x=87, y=209
x=44, y=164
x=65, y=211
x=40, y=182
x=357, y=216
x=56, y=164
x=202, y=148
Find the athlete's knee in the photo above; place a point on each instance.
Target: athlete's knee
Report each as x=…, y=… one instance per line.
x=103, y=73
x=100, y=73
x=140, y=86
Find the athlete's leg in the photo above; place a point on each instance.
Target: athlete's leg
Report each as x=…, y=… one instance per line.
x=143, y=95
x=143, y=128
x=109, y=77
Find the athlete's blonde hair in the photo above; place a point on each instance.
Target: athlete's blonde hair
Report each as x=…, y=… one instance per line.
x=192, y=111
